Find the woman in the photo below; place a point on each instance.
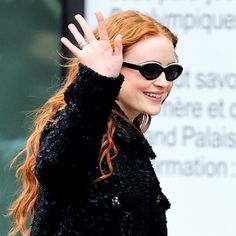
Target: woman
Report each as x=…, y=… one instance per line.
x=87, y=169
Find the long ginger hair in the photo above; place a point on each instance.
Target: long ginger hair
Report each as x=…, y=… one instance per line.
x=133, y=26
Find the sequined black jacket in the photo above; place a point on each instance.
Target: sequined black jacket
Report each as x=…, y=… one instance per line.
x=69, y=203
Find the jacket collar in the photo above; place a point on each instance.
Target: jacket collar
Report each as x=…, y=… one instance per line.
x=130, y=136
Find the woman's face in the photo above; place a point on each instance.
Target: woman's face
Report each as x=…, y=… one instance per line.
x=138, y=95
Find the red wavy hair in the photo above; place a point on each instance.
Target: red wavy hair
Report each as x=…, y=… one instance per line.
x=133, y=26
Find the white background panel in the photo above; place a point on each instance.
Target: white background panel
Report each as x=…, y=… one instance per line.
x=194, y=137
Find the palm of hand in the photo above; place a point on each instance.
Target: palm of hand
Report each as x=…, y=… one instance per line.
x=96, y=54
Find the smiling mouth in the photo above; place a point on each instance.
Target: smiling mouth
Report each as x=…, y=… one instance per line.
x=153, y=95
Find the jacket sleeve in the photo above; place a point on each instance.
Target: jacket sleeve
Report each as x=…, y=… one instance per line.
x=70, y=147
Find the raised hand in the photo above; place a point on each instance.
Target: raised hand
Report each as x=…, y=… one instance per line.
x=96, y=54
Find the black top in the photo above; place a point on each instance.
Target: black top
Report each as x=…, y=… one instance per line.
x=69, y=203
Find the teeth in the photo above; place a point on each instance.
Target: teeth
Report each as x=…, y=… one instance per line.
x=153, y=95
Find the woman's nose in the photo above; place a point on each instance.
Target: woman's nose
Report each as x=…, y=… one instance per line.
x=161, y=80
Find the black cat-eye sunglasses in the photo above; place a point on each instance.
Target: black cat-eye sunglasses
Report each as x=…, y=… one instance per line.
x=152, y=70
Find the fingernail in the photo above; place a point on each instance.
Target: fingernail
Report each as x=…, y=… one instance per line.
x=77, y=16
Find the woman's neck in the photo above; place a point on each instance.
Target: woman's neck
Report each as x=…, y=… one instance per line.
x=130, y=115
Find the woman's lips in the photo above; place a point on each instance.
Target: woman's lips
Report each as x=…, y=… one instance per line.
x=154, y=96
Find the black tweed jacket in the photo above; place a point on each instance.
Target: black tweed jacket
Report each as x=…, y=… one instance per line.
x=69, y=203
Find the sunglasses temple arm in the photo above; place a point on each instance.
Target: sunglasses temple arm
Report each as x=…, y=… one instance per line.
x=132, y=66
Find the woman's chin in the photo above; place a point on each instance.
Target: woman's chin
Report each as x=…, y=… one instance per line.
x=153, y=112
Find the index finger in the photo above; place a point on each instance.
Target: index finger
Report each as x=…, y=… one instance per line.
x=103, y=35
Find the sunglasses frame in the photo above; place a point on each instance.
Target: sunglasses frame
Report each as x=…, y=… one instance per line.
x=163, y=69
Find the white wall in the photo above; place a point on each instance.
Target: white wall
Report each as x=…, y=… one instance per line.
x=195, y=134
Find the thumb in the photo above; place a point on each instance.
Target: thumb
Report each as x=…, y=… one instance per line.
x=118, y=45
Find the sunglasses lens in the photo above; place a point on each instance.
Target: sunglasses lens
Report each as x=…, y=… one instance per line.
x=151, y=71
x=173, y=72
